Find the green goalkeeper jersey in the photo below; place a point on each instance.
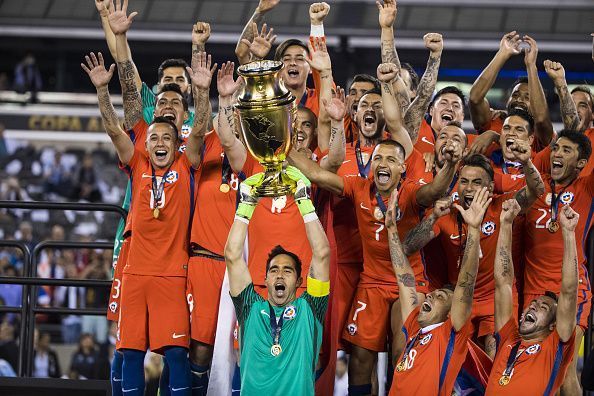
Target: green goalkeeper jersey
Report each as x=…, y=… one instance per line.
x=292, y=372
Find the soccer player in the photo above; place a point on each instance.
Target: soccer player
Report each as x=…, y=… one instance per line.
x=436, y=330
x=564, y=185
x=155, y=270
x=248, y=45
x=476, y=172
x=360, y=84
x=534, y=356
x=526, y=94
x=280, y=336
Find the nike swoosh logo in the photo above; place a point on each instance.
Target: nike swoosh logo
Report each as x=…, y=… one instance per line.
x=452, y=236
x=422, y=181
x=424, y=139
x=116, y=379
x=144, y=175
x=129, y=390
x=265, y=313
x=345, y=161
x=363, y=206
x=178, y=389
x=178, y=335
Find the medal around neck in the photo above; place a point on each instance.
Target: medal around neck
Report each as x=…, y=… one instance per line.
x=276, y=349
x=267, y=113
x=224, y=188
x=504, y=380
x=553, y=227
x=156, y=213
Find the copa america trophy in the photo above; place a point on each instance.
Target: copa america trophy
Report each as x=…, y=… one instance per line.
x=266, y=113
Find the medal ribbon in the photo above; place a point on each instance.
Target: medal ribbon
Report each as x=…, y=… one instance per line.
x=462, y=244
x=225, y=170
x=275, y=325
x=363, y=168
x=158, y=188
x=504, y=165
x=409, y=345
x=555, y=198
x=512, y=359
x=380, y=201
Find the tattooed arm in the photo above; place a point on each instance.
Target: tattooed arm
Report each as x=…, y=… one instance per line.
x=417, y=109
x=420, y=235
x=556, y=72
x=336, y=151
x=387, y=16
x=242, y=50
x=522, y=153
x=567, y=305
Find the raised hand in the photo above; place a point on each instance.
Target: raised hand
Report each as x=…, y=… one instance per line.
x=202, y=73
x=317, y=12
x=521, y=151
x=554, y=70
x=320, y=59
x=509, y=210
x=200, y=33
x=429, y=158
x=387, y=13
x=247, y=192
x=453, y=151
x=442, y=207
x=95, y=68
x=387, y=72
x=103, y=7
x=510, y=44
x=483, y=141
x=119, y=21
x=531, y=52
x=225, y=83
x=267, y=5
x=336, y=108
x=392, y=213
x=434, y=43
x=473, y=216
x=568, y=218
x=262, y=43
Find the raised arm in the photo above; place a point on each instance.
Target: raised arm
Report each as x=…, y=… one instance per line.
x=504, y=266
x=417, y=109
x=386, y=73
x=242, y=50
x=464, y=291
x=567, y=305
x=120, y=23
x=543, y=127
x=480, y=110
x=201, y=76
x=402, y=269
x=100, y=78
x=569, y=113
x=422, y=233
x=522, y=152
x=234, y=149
x=336, y=109
x=387, y=16
x=320, y=61
x=261, y=44
x=237, y=269
x=321, y=177
x=431, y=192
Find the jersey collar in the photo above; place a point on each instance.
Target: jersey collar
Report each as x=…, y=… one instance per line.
x=429, y=328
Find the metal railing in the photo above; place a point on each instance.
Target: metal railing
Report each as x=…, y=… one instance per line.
x=30, y=281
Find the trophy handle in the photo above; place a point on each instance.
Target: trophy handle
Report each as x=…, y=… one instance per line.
x=275, y=182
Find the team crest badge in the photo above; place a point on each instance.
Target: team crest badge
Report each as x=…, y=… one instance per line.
x=531, y=350
x=567, y=197
x=425, y=340
x=185, y=132
x=352, y=329
x=113, y=306
x=548, y=199
x=290, y=313
x=171, y=177
x=455, y=196
x=182, y=148
x=488, y=228
x=378, y=214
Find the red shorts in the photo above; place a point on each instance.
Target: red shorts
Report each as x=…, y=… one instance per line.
x=153, y=313
x=203, y=293
x=115, y=295
x=584, y=302
x=348, y=279
x=483, y=315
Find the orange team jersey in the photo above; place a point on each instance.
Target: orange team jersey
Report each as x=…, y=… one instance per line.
x=276, y=221
x=448, y=229
x=415, y=168
x=351, y=130
x=377, y=265
x=544, y=250
x=160, y=245
x=426, y=139
x=539, y=370
x=215, y=208
x=509, y=176
x=434, y=360
x=545, y=165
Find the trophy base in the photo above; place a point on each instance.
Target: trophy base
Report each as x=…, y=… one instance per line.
x=275, y=183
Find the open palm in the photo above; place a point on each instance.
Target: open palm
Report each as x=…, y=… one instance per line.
x=201, y=74
x=95, y=68
x=225, y=83
x=119, y=21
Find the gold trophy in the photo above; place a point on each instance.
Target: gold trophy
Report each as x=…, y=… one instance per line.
x=267, y=112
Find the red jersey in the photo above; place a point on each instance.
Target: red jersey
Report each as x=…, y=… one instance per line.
x=276, y=221
x=159, y=246
x=540, y=368
x=215, y=209
x=590, y=165
x=351, y=129
x=452, y=234
x=377, y=264
x=436, y=356
x=544, y=165
x=509, y=176
x=544, y=250
x=415, y=168
x=426, y=139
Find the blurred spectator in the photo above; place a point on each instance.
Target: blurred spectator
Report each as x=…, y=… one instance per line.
x=85, y=181
x=4, y=84
x=25, y=234
x=3, y=148
x=11, y=190
x=152, y=372
x=341, y=381
x=45, y=360
x=11, y=294
x=9, y=349
x=27, y=77
x=70, y=297
x=85, y=360
x=58, y=179
x=97, y=297
x=106, y=351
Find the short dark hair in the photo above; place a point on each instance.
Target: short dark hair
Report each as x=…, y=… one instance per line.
x=172, y=63
x=552, y=295
x=165, y=120
x=454, y=123
x=280, y=50
x=450, y=89
x=278, y=250
x=479, y=161
x=172, y=87
x=448, y=286
x=374, y=90
x=523, y=114
x=583, y=143
x=414, y=77
x=585, y=89
x=393, y=143
x=519, y=80
x=366, y=78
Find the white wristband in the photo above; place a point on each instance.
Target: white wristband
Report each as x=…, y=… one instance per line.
x=242, y=219
x=317, y=30
x=310, y=217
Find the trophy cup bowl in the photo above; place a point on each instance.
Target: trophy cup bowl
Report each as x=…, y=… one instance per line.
x=267, y=112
